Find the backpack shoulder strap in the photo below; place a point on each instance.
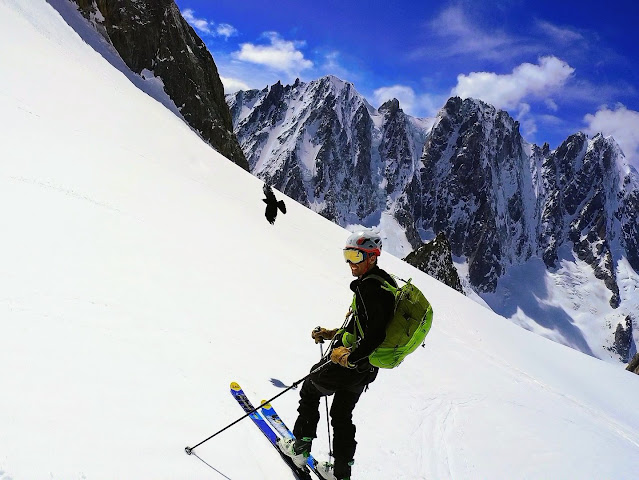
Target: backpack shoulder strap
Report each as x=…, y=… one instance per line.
x=385, y=283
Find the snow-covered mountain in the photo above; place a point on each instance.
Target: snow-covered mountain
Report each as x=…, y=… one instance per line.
x=501, y=202
x=323, y=144
x=138, y=277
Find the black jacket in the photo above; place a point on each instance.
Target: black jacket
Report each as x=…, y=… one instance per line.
x=375, y=308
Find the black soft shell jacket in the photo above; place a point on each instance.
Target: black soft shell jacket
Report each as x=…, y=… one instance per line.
x=375, y=308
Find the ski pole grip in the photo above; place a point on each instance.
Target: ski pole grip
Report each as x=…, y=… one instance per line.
x=316, y=330
x=188, y=450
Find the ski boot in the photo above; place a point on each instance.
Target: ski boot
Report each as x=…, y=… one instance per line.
x=326, y=470
x=297, y=450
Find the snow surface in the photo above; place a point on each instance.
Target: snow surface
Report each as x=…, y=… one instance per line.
x=139, y=277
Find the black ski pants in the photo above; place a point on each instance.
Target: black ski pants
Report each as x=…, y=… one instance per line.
x=347, y=385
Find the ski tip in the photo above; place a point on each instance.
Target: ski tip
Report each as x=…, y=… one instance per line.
x=266, y=405
x=235, y=386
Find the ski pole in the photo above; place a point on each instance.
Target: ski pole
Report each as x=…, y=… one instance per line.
x=328, y=425
x=189, y=450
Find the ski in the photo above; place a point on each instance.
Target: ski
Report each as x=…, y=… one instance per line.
x=262, y=425
x=276, y=422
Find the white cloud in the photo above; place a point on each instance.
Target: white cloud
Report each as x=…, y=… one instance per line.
x=420, y=105
x=405, y=95
x=332, y=65
x=453, y=23
x=455, y=34
x=281, y=55
x=551, y=104
x=200, y=24
x=232, y=85
x=560, y=34
x=507, y=91
x=208, y=27
x=225, y=30
x=527, y=122
x=622, y=124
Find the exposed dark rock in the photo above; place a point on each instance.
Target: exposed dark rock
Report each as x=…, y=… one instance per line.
x=434, y=258
x=498, y=200
x=622, y=344
x=153, y=35
x=633, y=366
x=352, y=155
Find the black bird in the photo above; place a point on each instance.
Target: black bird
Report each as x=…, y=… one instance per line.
x=272, y=204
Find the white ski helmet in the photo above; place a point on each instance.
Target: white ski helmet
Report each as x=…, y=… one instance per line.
x=366, y=240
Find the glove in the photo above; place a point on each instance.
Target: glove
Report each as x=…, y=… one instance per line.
x=340, y=355
x=320, y=334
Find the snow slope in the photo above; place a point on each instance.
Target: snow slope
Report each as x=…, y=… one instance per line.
x=139, y=277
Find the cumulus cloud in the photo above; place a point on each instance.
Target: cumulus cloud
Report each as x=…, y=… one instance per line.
x=225, y=30
x=280, y=54
x=208, y=27
x=420, y=105
x=405, y=95
x=507, y=91
x=200, y=24
x=622, y=124
x=232, y=85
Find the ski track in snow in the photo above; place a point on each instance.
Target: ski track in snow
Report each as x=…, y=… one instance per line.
x=518, y=375
x=66, y=191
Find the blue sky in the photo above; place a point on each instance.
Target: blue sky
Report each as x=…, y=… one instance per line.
x=558, y=67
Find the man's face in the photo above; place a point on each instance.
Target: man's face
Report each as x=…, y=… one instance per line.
x=359, y=269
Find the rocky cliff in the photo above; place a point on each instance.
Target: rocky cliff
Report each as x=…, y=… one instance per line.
x=153, y=36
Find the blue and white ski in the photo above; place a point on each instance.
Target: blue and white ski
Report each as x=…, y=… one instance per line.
x=271, y=416
x=247, y=406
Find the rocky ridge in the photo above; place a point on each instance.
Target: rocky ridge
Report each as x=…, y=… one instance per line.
x=153, y=36
x=468, y=174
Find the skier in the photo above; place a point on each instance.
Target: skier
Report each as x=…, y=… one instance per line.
x=350, y=372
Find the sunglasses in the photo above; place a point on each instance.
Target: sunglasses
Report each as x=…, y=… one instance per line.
x=354, y=256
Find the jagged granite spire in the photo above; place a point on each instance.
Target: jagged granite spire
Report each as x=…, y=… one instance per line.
x=323, y=144
x=472, y=185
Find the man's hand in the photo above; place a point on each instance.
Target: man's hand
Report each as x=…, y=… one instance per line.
x=340, y=355
x=320, y=334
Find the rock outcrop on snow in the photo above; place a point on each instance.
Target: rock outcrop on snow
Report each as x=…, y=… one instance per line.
x=633, y=366
x=434, y=258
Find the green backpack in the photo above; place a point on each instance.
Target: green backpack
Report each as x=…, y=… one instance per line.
x=406, y=330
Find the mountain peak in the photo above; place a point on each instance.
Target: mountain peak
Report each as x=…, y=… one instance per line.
x=470, y=175
x=334, y=80
x=391, y=107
